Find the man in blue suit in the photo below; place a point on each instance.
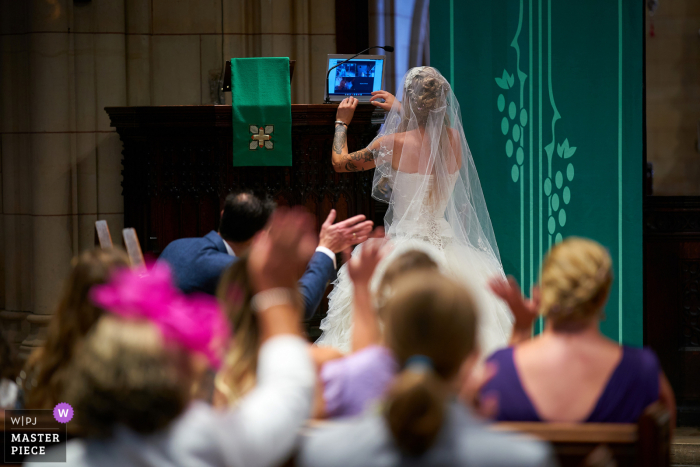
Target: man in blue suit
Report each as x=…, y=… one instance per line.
x=198, y=263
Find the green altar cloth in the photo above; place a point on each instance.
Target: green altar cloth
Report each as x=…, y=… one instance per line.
x=262, y=112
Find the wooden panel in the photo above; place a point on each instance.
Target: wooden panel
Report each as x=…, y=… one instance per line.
x=645, y=444
x=672, y=296
x=575, y=432
x=178, y=169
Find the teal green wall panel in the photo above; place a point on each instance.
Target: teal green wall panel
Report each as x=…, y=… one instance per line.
x=551, y=100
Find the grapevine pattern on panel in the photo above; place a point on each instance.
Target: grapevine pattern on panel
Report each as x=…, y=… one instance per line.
x=560, y=171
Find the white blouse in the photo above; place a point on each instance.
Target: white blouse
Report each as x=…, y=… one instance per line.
x=365, y=441
x=261, y=431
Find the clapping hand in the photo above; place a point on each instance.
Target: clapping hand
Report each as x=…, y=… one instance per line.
x=361, y=267
x=525, y=311
x=282, y=250
x=340, y=236
x=388, y=99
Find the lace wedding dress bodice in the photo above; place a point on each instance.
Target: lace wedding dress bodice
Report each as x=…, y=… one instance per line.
x=426, y=221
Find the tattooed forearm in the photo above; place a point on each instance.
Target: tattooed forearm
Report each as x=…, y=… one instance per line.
x=363, y=155
x=351, y=167
x=355, y=162
x=340, y=139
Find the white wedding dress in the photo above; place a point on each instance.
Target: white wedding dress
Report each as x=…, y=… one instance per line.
x=435, y=205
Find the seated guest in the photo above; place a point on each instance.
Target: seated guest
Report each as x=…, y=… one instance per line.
x=45, y=371
x=431, y=329
x=571, y=372
x=238, y=373
x=130, y=384
x=198, y=263
x=352, y=382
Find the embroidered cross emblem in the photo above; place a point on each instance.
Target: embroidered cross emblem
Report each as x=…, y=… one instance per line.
x=261, y=137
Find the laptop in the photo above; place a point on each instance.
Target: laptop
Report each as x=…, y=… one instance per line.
x=357, y=78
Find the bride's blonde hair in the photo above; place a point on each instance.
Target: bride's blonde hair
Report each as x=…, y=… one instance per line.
x=433, y=88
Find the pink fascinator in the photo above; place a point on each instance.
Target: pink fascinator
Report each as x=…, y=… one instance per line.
x=195, y=322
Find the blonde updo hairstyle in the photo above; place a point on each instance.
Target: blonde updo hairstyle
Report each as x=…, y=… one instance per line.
x=432, y=316
x=425, y=90
x=576, y=279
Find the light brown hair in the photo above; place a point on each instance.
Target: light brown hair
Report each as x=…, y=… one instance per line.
x=576, y=279
x=237, y=375
x=125, y=374
x=412, y=260
x=431, y=316
x=74, y=317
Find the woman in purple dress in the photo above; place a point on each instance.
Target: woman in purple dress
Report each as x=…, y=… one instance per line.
x=571, y=372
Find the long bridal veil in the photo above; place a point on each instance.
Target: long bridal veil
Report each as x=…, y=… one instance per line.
x=426, y=129
x=426, y=174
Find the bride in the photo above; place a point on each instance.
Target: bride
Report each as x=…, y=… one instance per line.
x=425, y=172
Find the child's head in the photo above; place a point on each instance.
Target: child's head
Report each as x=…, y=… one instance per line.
x=74, y=317
x=410, y=261
x=431, y=329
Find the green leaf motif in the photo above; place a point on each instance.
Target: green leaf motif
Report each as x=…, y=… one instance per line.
x=564, y=150
x=506, y=81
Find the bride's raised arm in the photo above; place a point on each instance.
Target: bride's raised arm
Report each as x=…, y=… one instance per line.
x=342, y=160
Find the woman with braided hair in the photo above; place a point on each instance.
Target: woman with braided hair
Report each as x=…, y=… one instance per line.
x=571, y=372
x=425, y=172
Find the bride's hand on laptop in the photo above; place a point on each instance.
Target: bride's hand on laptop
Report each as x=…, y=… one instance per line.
x=346, y=110
x=388, y=100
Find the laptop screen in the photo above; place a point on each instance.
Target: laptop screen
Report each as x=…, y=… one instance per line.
x=358, y=77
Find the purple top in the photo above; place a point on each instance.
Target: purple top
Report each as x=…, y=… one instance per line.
x=632, y=387
x=349, y=383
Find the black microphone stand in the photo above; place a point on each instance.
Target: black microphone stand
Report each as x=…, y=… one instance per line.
x=388, y=48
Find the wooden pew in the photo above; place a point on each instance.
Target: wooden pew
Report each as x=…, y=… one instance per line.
x=645, y=444
x=131, y=242
x=133, y=248
x=103, y=236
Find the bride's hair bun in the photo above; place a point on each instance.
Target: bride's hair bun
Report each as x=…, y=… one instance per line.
x=426, y=89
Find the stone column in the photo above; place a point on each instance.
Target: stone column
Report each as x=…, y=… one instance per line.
x=15, y=221
x=52, y=144
x=110, y=90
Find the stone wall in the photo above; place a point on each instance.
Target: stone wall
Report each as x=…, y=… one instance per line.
x=673, y=97
x=62, y=62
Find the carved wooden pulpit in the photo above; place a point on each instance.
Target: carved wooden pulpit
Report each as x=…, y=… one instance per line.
x=178, y=169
